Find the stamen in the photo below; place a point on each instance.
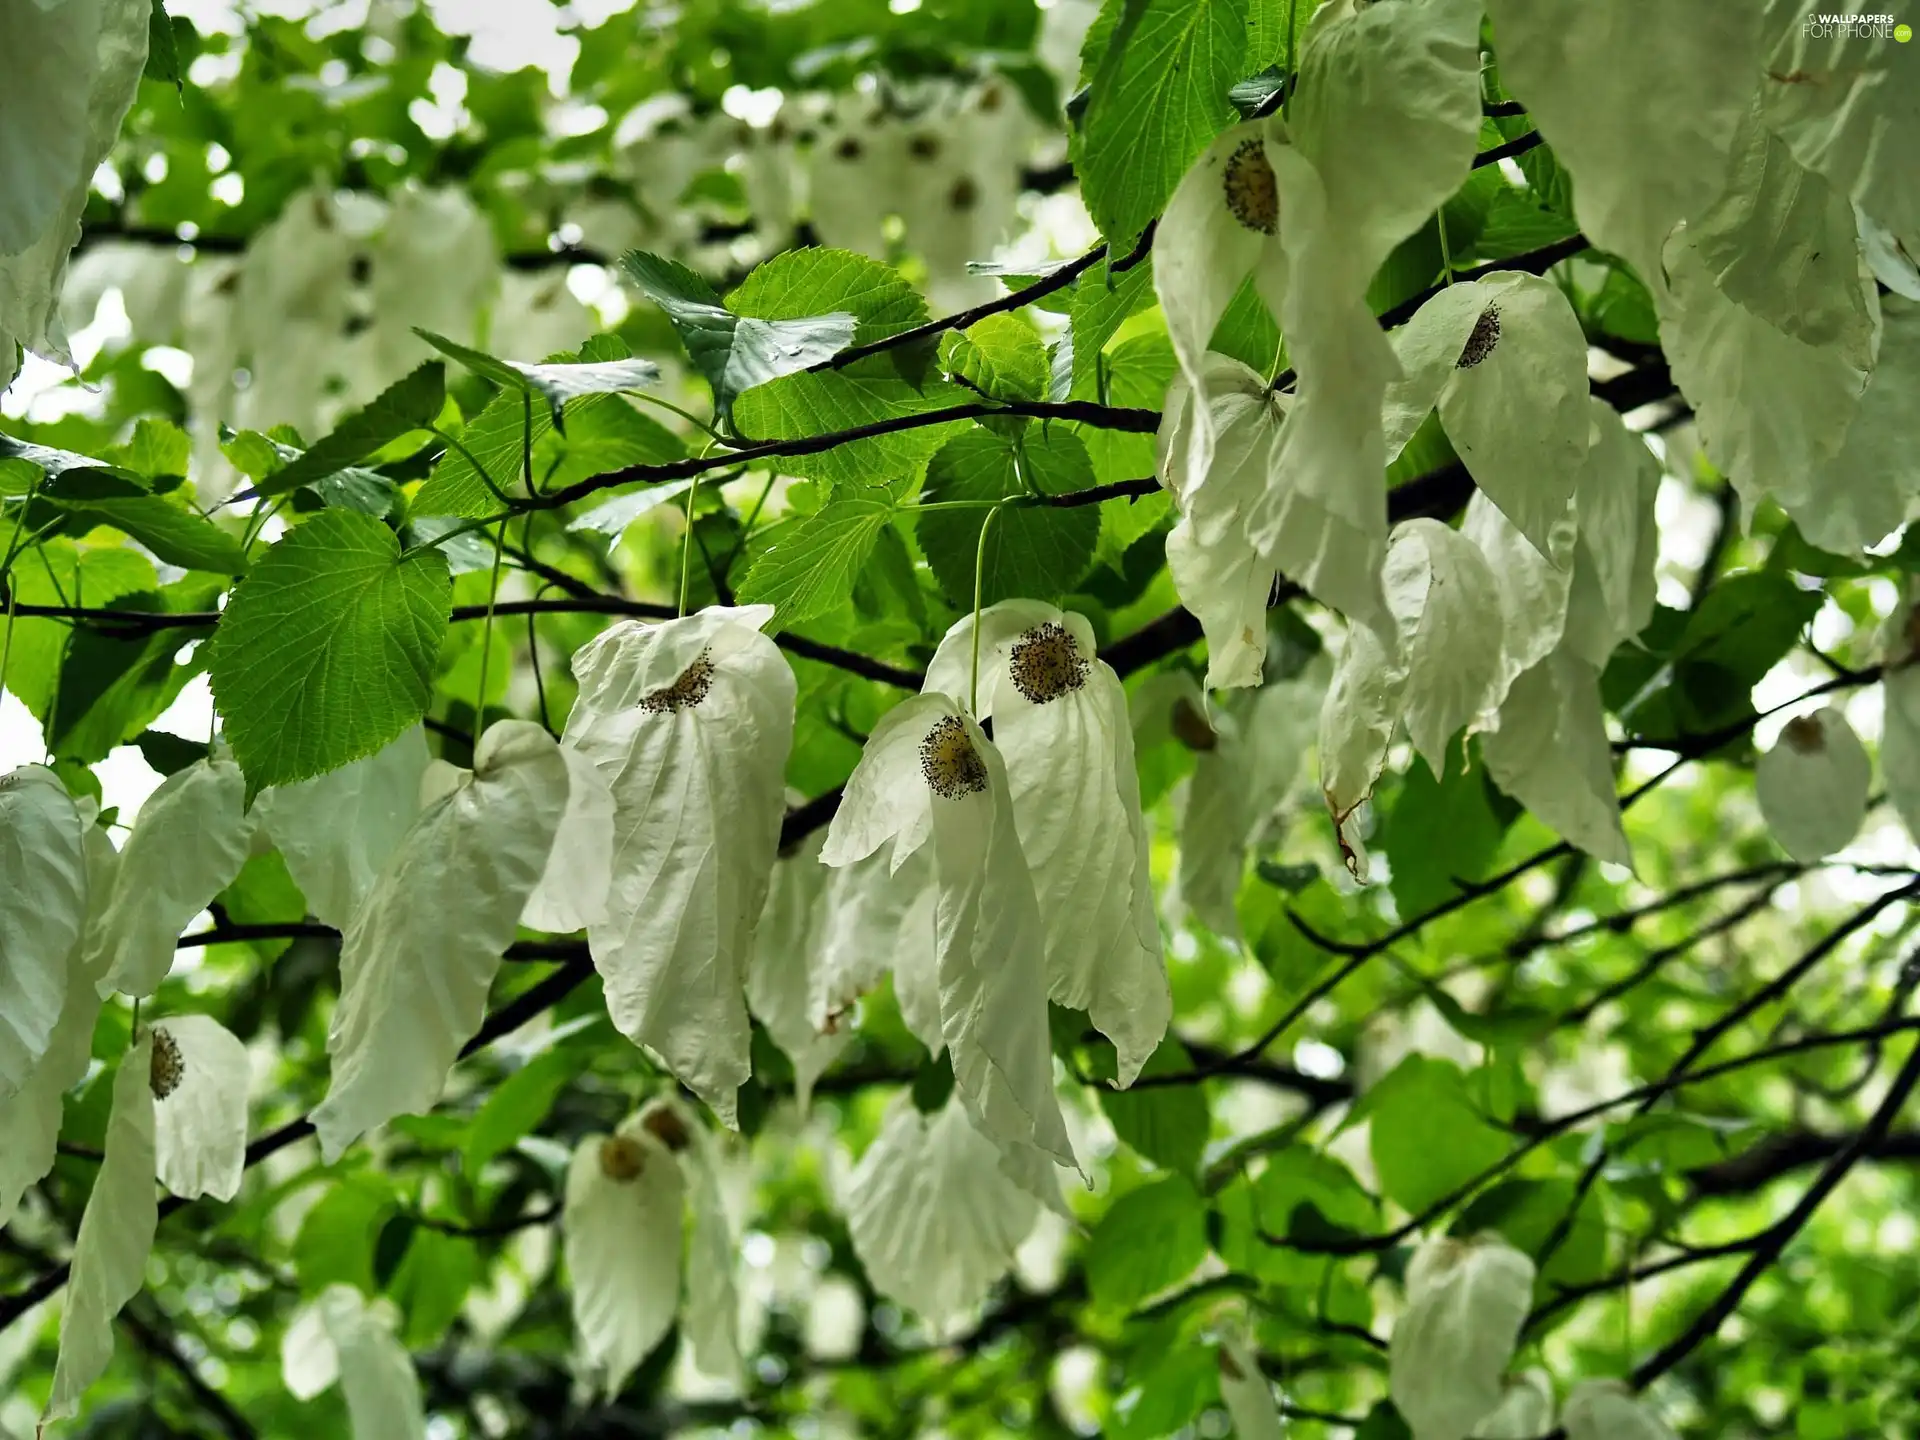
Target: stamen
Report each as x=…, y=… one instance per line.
x=1253, y=195
x=689, y=690
x=666, y=1126
x=1486, y=335
x=168, y=1067
x=1046, y=663
x=952, y=766
x=1805, y=735
x=622, y=1159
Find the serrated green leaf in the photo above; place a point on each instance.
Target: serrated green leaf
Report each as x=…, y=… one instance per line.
x=1000, y=357
x=1102, y=302
x=612, y=517
x=1166, y=1124
x=808, y=569
x=159, y=449
x=556, y=383
x=1426, y=1135
x=326, y=651
x=796, y=284
x=410, y=403
x=1037, y=552
x=1149, y=1239
x=176, y=535
x=495, y=438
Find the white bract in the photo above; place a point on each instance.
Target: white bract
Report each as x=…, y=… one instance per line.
x=421, y=952
x=1505, y=361
x=336, y=830
x=1525, y=1411
x=200, y=1077
x=43, y=907
x=1900, y=727
x=1611, y=597
x=1446, y=606
x=1812, y=785
x=929, y=774
x=1357, y=721
x=784, y=971
x=1060, y=720
x=188, y=843
x=933, y=1219
x=343, y=1337
x=873, y=920
x=115, y=1236
x=1245, y=1392
x=1608, y=1410
x=1533, y=588
x=1448, y=1356
x=690, y=723
x=572, y=893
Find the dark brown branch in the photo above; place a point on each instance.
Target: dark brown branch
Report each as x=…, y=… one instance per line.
x=1781, y=1154
x=1519, y=145
x=161, y=1347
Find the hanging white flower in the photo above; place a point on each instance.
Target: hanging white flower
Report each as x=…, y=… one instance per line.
x=336, y=830
x=421, y=952
x=1060, y=720
x=872, y=921
x=1450, y=1348
x=1220, y=575
x=43, y=907
x=572, y=893
x=928, y=773
x=1900, y=726
x=344, y=1337
x=1611, y=595
x=200, y=1078
x=711, y=1318
x=1525, y=1411
x=1357, y=721
x=30, y=1119
x=1505, y=361
x=690, y=722
x=1533, y=587
x=1246, y=1393
x=932, y=1217
x=784, y=970
x=116, y=1233
x=1608, y=1410
x=187, y=845
x=1446, y=608
x=1812, y=785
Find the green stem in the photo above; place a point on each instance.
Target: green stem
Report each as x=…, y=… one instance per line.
x=526, y=446
x=467, y=529
x=979, y=577
x=685, y=415
x=1446, y=254
x=686, y=548
x=478, y=468
x=486, y=635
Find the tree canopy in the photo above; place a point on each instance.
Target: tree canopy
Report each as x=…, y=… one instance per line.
x=959, y=717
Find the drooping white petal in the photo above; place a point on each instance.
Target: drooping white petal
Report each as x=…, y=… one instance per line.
x=1645, y=129
x=872, y=921
x=115, y=1236
x=1061, y=723
x=1608, y=1410
x=1550, y=752
x=690, y=722
x=1515, y=406
x=1429, y=347
x=782, y=973
x=1466, y=1302
x=309, y=1363
x=1221, y=223
x=572, y=893
x=1900, y=727
x=1812, y=785
x=620, y=1229
x=201, y=1074
x=991, y=942
x=932, y=1218
x=336, y=830
x=1533, y=588
x=712, y=1318
x=1226, y=586
x=1611, y=597
x=1357, y=720
x=421, y=952
x=916, y=965
x=375, y=1371
x=43, y=906
x=30, y=1120
x=188, y=843
x=1246, y=1393
x=1446, y=604
x=885, y=798
x=1525, y=1411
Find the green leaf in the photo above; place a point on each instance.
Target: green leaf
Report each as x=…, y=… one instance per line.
x=734, y=352
x=612, y=517
x=1439, y=831
x=176, y=535
x=1001, y=357
x=1166, y=1124
x=1528, y=1211
x=431, y=1284
x=337, y=1237
x=163, y=53
x=496, y=438
x=517, y=1104
x=1102, y=303
x=604, y=433
x=1166, y=98
x=864, y=393
x=1039, y=552
x=810, y=563
x=1426, y=1136
x=158, y=450
x=411, y=403
x=797, y=284
x=111, y=686
x=554, y=383
x=326, y=651
x=1149, y=1239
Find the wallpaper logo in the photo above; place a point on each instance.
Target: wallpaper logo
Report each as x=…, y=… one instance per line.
x=1861, y=27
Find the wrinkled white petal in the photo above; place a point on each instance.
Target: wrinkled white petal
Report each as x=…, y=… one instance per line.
x=1428, y=348
x=116, y=1233
x=1607, y=1410
x=572, y=893
x=869, y=925
x=885, y=799
x=1644, y=129
x=1611, y=597
x=1550, y=752
x=30, y=1120
x=1446, y=604
x=421, y=953
x=375, y=1371
x=916, y=966
x=690, y=722
x=43, y=906
x=1812, y=785
x=187, y=845
x=1533, y=588
x=1060, y=718
x=1466, y=1302
x=200, y=1124
x=1525, y=1412
x=336, y=830
x=712, y=1319
x=783, y=971
x=1357, y=720
x=932, y=1218
x=620, y=1229
x=1246, y=1393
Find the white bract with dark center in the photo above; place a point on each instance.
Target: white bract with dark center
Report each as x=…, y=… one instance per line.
x=1812, y=785
x=689, y=723
x=43, y=908
x=1060, y=719
x=928, y=774
x=1448, y=1356
x=199, y=1080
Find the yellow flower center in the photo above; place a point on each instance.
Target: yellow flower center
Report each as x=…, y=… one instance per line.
x=1486, y=335
x=1253, y=196
x=952, y=766
x=622, y=1159
x=687, y=691
x=1046, y=664
x=165, y=1073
